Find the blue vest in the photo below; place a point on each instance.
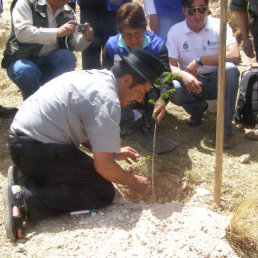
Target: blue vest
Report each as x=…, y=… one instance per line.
x=169, y=8
x=152, y=45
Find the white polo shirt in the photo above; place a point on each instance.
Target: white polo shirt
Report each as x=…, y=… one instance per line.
x=185, y=45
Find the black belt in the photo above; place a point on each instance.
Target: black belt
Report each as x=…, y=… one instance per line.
x=20, y=136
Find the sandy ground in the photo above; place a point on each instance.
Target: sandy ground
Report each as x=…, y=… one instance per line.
x=126, y=229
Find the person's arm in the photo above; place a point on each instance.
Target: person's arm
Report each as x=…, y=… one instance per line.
x=242, y=21
x=111, y=171
x=25, y=31
x=80, y=41
x=232, y=56
x=239, y=7
x=151, y=13
x=190, y=81
x=107, y=62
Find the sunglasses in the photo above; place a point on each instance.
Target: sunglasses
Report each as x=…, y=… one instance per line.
x=192, y=11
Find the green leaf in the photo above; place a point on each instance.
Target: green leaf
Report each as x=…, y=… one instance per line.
x=151, y=101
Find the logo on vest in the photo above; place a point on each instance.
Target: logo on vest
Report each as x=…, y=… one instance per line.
x=210, y=43
x=185, y=46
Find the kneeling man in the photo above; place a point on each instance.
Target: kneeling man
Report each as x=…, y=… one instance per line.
x=80, y=107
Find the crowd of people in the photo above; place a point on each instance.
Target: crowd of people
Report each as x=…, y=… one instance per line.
x=97, y=105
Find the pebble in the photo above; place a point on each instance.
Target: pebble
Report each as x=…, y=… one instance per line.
x=244, y=159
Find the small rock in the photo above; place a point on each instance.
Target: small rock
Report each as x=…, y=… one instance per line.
x=245, y=158
x=140, y=236
x=230, y=161
x=21, y=246
x=29, y=235
x=202, y=191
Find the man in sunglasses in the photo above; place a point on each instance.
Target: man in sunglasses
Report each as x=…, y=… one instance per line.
x=239, y=7
x=193, y=48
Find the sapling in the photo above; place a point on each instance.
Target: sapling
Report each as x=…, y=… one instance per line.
x=163, y=83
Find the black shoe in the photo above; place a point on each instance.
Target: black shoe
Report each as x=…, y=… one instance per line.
x=125, y=133
x=7, y=112
x=194, y=121
x=148, y=130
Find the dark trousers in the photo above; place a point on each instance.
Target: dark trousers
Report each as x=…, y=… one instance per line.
x=104, y=25
x=59, y=178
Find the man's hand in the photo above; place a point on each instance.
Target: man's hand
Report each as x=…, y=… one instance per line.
x=88, y=35
x=248, y=48
x=106, y=166
x=192, y=68
x=140, y=185
x=154, y=22
x=66, y=29
x=159, y=110
x=191, y=83
x=127, y=153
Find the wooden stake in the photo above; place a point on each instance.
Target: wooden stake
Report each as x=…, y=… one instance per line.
x=152, y=163
x=220, y=102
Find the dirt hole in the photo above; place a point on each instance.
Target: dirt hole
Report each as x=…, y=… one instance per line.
x=168, y=187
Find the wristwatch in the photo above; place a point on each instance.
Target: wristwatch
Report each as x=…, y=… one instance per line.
x=198, y=60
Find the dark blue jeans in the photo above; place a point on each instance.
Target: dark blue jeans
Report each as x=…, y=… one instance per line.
x=59, y=178
x=28, y=75
x=195, y=105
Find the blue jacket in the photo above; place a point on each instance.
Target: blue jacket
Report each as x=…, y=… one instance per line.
x=169, y=8
x=152, y=44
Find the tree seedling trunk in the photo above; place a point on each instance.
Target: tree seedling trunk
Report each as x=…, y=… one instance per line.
x=163, y=83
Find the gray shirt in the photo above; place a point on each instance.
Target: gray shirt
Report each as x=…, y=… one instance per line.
x=241, y=5
x=73, y=108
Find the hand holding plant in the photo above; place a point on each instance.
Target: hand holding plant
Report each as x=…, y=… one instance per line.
x=159, y=111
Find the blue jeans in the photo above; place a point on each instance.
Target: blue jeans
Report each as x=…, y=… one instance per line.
x=28, y=75
x=165, y=23
x=195, y=105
